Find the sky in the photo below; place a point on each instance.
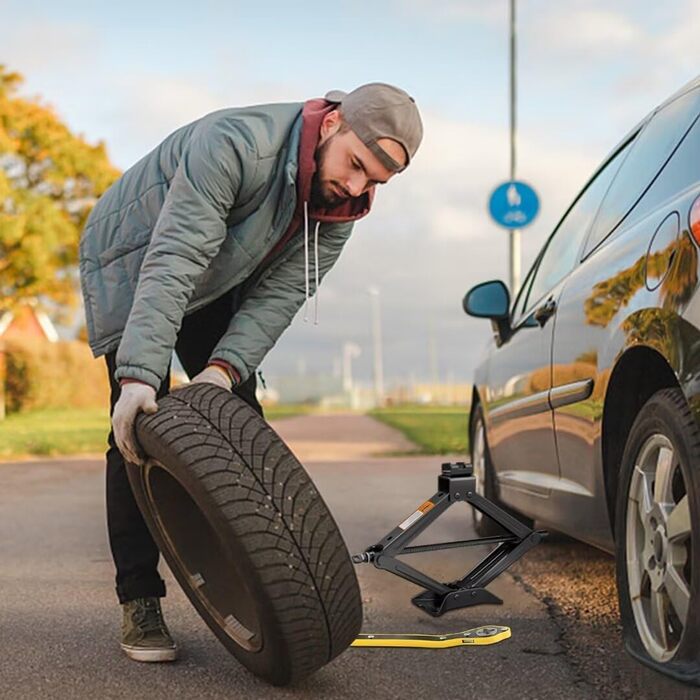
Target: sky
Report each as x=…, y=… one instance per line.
x=130, y=73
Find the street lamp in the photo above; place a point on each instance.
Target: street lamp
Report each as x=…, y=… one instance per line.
x=350, y=352
x=377, y=342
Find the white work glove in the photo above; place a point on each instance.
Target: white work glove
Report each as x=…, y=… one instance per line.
x=134, y=397
x=213, y=374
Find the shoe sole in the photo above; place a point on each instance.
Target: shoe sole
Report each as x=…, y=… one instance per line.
x=149, y=655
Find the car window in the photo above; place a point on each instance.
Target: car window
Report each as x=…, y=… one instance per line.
x=655, y=145
x=519, y=304
x=564, y=244
x=679, y=173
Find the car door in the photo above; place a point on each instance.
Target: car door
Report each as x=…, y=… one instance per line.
x=520, y=431
x=521, y=427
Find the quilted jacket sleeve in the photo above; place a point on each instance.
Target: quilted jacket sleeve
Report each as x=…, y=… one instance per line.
x=191, y=227
x=271, y=305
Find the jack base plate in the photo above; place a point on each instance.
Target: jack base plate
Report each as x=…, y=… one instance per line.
x=436, y=604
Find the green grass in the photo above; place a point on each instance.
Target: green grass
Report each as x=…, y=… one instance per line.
x=435, y=429
x=54, y=432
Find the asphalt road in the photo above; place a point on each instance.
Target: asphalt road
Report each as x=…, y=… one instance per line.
x=59, y=618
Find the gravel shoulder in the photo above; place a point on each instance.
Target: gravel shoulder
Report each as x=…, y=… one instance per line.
x=577, y=584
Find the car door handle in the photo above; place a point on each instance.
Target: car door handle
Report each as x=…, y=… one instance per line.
x=545, y=312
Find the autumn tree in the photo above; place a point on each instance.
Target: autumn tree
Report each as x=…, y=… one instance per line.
x=49, y=181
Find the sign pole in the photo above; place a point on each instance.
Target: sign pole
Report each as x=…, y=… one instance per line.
x=515, y=233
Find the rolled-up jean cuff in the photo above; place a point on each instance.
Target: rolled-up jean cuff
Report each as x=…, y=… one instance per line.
x=144, y=588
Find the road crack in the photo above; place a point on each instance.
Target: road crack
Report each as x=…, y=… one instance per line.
x=556, y=616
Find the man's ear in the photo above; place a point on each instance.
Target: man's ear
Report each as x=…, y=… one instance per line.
x=330, y=124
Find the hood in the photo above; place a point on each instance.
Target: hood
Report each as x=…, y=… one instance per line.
x=349, y=210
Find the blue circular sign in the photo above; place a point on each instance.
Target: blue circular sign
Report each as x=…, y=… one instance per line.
x=514, y=204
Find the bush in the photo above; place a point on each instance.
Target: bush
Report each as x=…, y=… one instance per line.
x=40, y=374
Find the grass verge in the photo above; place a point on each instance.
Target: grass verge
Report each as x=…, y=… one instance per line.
x=436, y=430
x=71, y=431
x=54, y=432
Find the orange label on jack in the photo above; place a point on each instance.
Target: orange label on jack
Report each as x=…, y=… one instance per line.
x=422, y=510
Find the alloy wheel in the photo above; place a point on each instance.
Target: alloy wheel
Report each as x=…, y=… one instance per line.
x=658, y=546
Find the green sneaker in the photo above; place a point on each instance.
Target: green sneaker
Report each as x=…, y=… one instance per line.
x=145, y=636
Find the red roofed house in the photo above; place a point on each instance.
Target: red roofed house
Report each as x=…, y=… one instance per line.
x=27, y=322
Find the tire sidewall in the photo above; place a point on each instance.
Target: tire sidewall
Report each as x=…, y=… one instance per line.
x=484, y=526
x=273, y=649
x=664, y=414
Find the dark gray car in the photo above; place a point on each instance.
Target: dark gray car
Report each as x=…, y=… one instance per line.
x=586, y=406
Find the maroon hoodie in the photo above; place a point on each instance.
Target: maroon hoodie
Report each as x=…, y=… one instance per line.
x=350, y=210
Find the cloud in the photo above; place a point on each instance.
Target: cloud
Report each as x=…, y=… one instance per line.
x=37, y=45
x=451, y=222
x=680, y=45
x=672, y=56
x=595, y=31
x=632, y=55
x=456, y=10
x=144, y=109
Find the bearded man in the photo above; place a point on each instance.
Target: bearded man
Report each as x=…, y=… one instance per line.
x=205, y=247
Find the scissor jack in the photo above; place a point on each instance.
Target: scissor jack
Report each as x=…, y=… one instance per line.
x=456, y=483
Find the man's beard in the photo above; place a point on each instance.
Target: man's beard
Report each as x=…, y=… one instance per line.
x=319, y=199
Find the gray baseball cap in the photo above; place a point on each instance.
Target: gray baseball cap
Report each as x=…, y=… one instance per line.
x=380, y=111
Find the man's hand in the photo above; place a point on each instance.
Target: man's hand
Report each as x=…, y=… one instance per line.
x=134, y=397
x=213, y=374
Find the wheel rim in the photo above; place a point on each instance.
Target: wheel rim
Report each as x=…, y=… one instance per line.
x=658, y=546
x=479, y=465
x=202, y=557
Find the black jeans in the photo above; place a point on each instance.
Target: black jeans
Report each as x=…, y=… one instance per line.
x=133, y=549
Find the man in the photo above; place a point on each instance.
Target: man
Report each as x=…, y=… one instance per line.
x=203, y=247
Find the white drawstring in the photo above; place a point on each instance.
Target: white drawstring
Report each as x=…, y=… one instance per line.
x=318, y=223
x=306, y=259
x=306, y=265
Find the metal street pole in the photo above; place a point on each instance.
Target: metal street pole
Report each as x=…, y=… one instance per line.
x=432, y=351
x=377, y=337
x=515, y=233
x=350, y=352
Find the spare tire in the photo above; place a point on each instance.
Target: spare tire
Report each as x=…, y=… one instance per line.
x=245, y=533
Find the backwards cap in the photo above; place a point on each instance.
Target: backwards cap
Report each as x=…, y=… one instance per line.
x=380, y=111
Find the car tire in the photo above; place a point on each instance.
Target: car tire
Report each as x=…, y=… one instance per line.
x=245, y=533
x=486, y=478
x=657, y=529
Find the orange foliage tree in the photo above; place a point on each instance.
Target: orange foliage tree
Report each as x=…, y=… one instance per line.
x=49, y=180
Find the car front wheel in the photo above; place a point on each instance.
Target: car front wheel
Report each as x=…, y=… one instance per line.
x=658, y=537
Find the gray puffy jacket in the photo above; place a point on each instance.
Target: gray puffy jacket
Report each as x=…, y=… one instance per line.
x=189, y=221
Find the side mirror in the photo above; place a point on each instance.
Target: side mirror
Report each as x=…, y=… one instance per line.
x=490, y=300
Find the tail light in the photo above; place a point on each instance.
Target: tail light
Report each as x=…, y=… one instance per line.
x=694, y=220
